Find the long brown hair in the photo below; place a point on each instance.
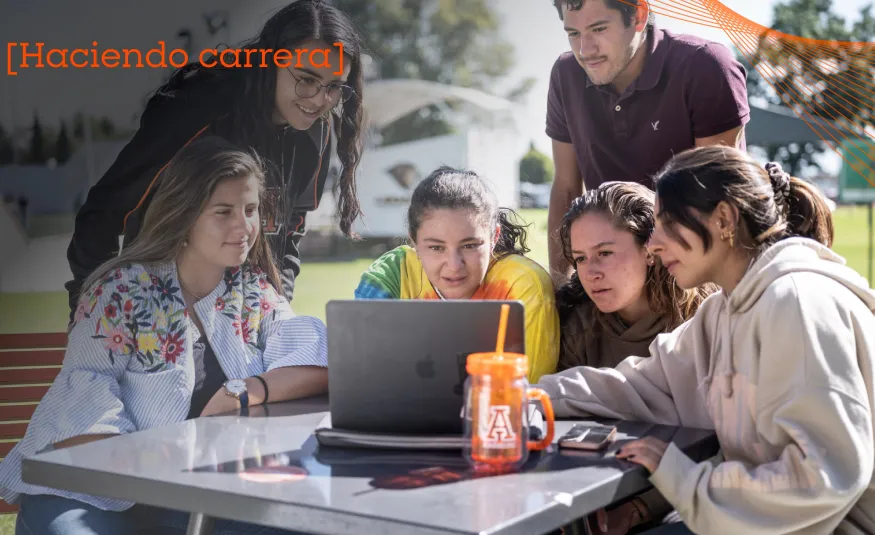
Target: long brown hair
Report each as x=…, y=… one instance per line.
x=694, y=182
x=630, y=208
x=186, y=185
x=252, y=111
x=450, y=188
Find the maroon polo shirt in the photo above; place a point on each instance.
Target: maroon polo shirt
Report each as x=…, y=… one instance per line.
x=690, y=88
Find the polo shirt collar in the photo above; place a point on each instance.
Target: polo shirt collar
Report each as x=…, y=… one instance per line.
x=653, y=64
x=655, y=61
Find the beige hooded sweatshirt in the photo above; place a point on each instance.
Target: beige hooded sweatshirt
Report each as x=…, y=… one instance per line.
x=782, y=370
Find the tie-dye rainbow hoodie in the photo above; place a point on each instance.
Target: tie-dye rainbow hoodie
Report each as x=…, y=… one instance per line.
x=398, y=274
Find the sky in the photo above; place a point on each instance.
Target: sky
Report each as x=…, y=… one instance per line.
x=531, y=25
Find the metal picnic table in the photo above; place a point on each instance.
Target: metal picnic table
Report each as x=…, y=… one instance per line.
x=267, y=468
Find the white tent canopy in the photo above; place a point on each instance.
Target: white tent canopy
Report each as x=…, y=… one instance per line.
x=386, y=101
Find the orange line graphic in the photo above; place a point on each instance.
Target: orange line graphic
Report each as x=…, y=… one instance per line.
x=849, y=66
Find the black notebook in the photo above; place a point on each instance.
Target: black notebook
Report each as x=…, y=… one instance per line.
x=359, y=439
x=344, y=438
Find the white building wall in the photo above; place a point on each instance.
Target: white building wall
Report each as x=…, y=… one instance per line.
x=40, y=265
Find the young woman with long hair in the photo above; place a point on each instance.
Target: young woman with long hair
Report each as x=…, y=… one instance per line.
x=290, y=109
x=618, y=297
x=188, y=321
x=617, y=300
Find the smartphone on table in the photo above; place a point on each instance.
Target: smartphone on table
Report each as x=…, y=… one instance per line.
x=592, y=437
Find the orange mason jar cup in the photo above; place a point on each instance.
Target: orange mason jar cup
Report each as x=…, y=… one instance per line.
x=497, y=397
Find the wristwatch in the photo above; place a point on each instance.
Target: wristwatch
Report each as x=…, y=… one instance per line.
x=236, y=388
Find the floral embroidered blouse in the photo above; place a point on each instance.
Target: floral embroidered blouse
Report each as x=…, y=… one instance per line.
x=129, y=364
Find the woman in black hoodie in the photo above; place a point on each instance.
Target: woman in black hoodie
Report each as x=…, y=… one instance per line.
x=290, y=115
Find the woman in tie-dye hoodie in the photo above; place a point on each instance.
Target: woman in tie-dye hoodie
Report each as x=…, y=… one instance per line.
x=465, y=247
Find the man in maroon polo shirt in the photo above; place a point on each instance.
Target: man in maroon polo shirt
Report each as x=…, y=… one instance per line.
x=629, y=96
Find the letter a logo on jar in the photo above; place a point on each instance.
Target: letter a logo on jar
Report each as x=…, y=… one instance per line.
x=499, y=431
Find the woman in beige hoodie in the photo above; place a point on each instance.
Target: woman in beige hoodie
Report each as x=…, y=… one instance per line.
x=779, y=362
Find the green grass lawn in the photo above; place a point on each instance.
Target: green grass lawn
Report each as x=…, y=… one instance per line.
x=321, y=282
x=851, y=241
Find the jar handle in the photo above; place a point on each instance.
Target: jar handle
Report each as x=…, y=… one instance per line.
x=542, y=396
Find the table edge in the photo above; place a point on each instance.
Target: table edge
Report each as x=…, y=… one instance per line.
x=216, y=503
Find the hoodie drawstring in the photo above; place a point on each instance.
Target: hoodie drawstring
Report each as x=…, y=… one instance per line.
x=724, y=346
x=729, y=370
x=729, y=367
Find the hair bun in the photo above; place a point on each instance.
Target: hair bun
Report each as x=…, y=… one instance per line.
x=780, y=185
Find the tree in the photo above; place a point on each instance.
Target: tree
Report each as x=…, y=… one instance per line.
x=37, y=153
x=62, y=145
x=519, y=92
x=79, y=126
x=794, y=157
x=832, y=81
x=536, y=167
x=447, y=41
x=105, y=128
x=102, y=128
x=7, y=150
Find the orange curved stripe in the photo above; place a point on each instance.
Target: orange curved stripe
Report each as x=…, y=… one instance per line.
x=756, y=43
x=154, y=179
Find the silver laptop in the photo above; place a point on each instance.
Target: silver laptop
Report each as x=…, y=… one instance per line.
x=398, y=366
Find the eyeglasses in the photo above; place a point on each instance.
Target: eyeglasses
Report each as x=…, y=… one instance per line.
x=308, y=87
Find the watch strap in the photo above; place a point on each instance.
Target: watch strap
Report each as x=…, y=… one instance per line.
x=264, y=384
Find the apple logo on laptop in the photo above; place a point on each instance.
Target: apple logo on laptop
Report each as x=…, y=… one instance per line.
x=461, y=365
x=425, y=368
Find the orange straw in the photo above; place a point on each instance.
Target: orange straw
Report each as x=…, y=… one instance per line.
x=502, y=329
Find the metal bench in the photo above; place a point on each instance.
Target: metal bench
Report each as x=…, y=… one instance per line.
x=28, y=365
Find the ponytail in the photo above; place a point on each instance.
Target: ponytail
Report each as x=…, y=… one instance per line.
x=808, y=214
x=803, y=212
x=513, y=236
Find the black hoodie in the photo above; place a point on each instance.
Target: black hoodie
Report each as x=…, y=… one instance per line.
x=117, y=203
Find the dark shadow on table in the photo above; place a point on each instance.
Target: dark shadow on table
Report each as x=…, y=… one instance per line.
x=402, y=470
x=390, y=470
